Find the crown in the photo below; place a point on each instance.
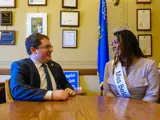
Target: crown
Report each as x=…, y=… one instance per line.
x=121, y=28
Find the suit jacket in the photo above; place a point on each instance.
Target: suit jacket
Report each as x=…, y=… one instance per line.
x=25, y=80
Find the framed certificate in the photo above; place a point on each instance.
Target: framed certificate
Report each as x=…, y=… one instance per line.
x=69, y=18
x=145, y=43
x=143, y=1
x=143, y=19
x=6, y=18
x=36, y=22
x=7, y=37
x=69, y=3
x=69, y=38
x=7, y=3
x=37, y=2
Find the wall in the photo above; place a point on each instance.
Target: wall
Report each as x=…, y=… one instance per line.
x=125, y=13
x=84, y=56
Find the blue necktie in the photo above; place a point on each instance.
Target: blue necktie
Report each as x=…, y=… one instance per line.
x=49, y=83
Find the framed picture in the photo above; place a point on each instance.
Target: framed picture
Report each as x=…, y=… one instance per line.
x=69, y=3
x=69, y=38
x=36, y=22
x=69, y=18
x=145, y=43
x=143, y=1
x=7, y=37
x=6, y=18
x=143, y=19
x=7, y=3
x=37, y=2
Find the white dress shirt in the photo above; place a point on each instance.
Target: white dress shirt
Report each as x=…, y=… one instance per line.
x=43, y=80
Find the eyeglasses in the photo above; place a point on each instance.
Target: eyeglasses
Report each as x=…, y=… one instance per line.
x=45, y=47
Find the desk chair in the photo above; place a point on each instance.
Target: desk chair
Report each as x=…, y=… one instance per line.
x=2, y=93
x=8, y=95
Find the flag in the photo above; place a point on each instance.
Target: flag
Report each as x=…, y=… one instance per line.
x=103, y=50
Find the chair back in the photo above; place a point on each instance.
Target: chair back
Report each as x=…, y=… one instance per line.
x=8, y=95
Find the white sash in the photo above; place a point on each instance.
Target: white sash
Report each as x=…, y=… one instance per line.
x=120, y=81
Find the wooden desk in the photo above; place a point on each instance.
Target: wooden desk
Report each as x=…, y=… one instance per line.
x=81, y=108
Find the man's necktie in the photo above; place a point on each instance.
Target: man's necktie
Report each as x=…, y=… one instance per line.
x=49, y=83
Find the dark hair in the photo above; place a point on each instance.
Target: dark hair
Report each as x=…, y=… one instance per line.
x=34, y=40
x=130, y=48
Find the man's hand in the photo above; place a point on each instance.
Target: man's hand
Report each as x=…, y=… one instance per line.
x=59, y=95
x=70, y=91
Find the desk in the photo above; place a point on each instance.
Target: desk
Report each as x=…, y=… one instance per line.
x=81, y=108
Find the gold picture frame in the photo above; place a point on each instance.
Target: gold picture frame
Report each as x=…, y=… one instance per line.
x=7, y=3
x=144, y=19
x=69, y=38
x=145, y=43
x=69, y=3
x=69, y=18
x=7, y=37
x=6, y=18
x=143, y=1
x=37, y=2
x=36, y=22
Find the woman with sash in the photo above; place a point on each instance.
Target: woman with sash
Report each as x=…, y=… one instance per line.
x=130, y=74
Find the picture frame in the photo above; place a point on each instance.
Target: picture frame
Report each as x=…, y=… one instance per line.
x=69, y=3
x=145, y=43
x=144, y=19
x=6, y=18
x=37, y=2
x=36, y=22
x=143, y=1
x=8, y=4
x=7, y=37
x=69, y=18
x=69, y=38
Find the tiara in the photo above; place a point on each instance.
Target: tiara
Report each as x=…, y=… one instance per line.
x=121, y=28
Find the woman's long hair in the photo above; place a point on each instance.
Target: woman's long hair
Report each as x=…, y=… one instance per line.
x=130, y=48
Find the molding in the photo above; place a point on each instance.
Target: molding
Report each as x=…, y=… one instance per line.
x=81, y=71
x=84, y=67
x=5, y=71
x=84, y=71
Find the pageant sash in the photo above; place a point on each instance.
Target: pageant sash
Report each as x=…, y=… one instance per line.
x=120, y=81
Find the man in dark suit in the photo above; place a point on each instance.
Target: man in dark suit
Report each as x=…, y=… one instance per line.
x=38, y=78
